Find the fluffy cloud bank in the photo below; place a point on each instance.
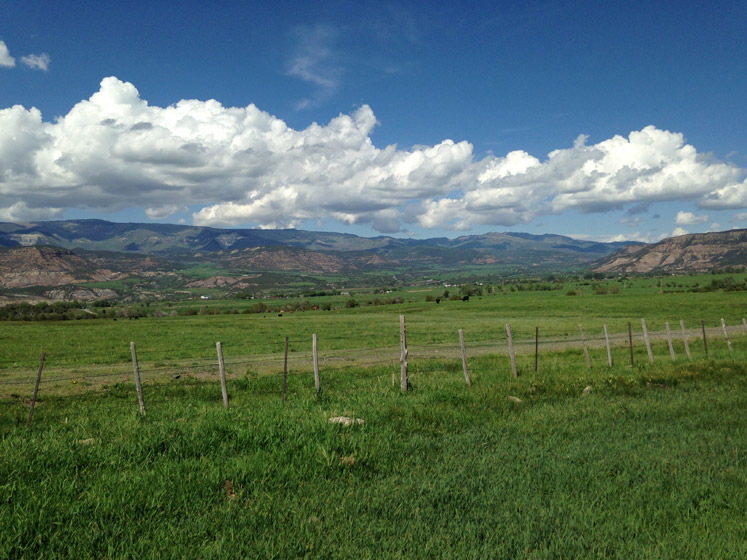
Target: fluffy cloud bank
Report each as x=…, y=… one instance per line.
x=242, y=165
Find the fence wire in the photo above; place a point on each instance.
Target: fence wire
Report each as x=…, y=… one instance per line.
x=95, y=377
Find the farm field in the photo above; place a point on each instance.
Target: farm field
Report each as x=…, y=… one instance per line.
x=646, y=461
x=181, y=339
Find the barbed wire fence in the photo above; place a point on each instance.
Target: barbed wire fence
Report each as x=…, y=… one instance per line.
x=17, y=384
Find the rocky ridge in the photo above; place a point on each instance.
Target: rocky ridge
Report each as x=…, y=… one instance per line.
x=49, y=266
x=699, y=252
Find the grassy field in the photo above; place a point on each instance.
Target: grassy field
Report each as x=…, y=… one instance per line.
x=649, y=464
x=647, y=461
x=178, y=339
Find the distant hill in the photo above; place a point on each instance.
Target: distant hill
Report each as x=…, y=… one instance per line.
x=49, y=266
x=699, y=252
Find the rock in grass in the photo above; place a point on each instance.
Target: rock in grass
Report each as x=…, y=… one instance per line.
x=586, y=391
x=87, y=441
x=345, y=420
x=513, y=399
x=229, y=489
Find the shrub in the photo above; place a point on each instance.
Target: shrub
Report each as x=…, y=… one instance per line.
x=259, y=307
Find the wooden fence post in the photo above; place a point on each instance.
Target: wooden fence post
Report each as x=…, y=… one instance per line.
x=705, y=340
x=394, y=373
x=609, y=350
x=630, y=338
x=403, y=382
x=726, y=334
x=669, y=341
x=317, y=381
x=511, y=351
x=536, y=348
x=648, y=342
x=586, y=350
x=36, y=390
x=222, y=372
x=285, y=369
x=684, y=338
x=744, y=324
x=138, y=386
x=464, y=358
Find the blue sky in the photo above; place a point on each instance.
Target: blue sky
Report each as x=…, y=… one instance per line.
x=590, y=119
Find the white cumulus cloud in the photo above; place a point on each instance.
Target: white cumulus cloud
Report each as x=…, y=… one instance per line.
x=6, y=60
x=162, y=212
x=33, y=61
x=19, y=212
x=241, y=165
x=689, y=219
x=37, y=61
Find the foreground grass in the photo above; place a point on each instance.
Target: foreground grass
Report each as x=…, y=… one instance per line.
x=650, y=463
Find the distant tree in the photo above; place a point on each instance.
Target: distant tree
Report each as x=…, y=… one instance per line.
x=259, y=307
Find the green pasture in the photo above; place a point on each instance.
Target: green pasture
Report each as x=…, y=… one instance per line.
x=644, y=462
x=174, y=339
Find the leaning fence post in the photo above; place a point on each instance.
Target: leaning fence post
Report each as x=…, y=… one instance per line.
x=511, y=351
x=138, y=386
x=403, y=383
x=464, y=358
x=669, y=341
x=586, y=350
x=222, y=372
x=36, y=390
x=684, y=338
x=609, y=350
x=317, y=381
x=705, y=340
x=726, y=334
x=648, y=342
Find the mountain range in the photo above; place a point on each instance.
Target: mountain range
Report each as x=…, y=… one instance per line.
x=78, y=252
x=171, y=240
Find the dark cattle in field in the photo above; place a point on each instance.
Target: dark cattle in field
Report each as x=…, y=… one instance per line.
x=465, y=298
